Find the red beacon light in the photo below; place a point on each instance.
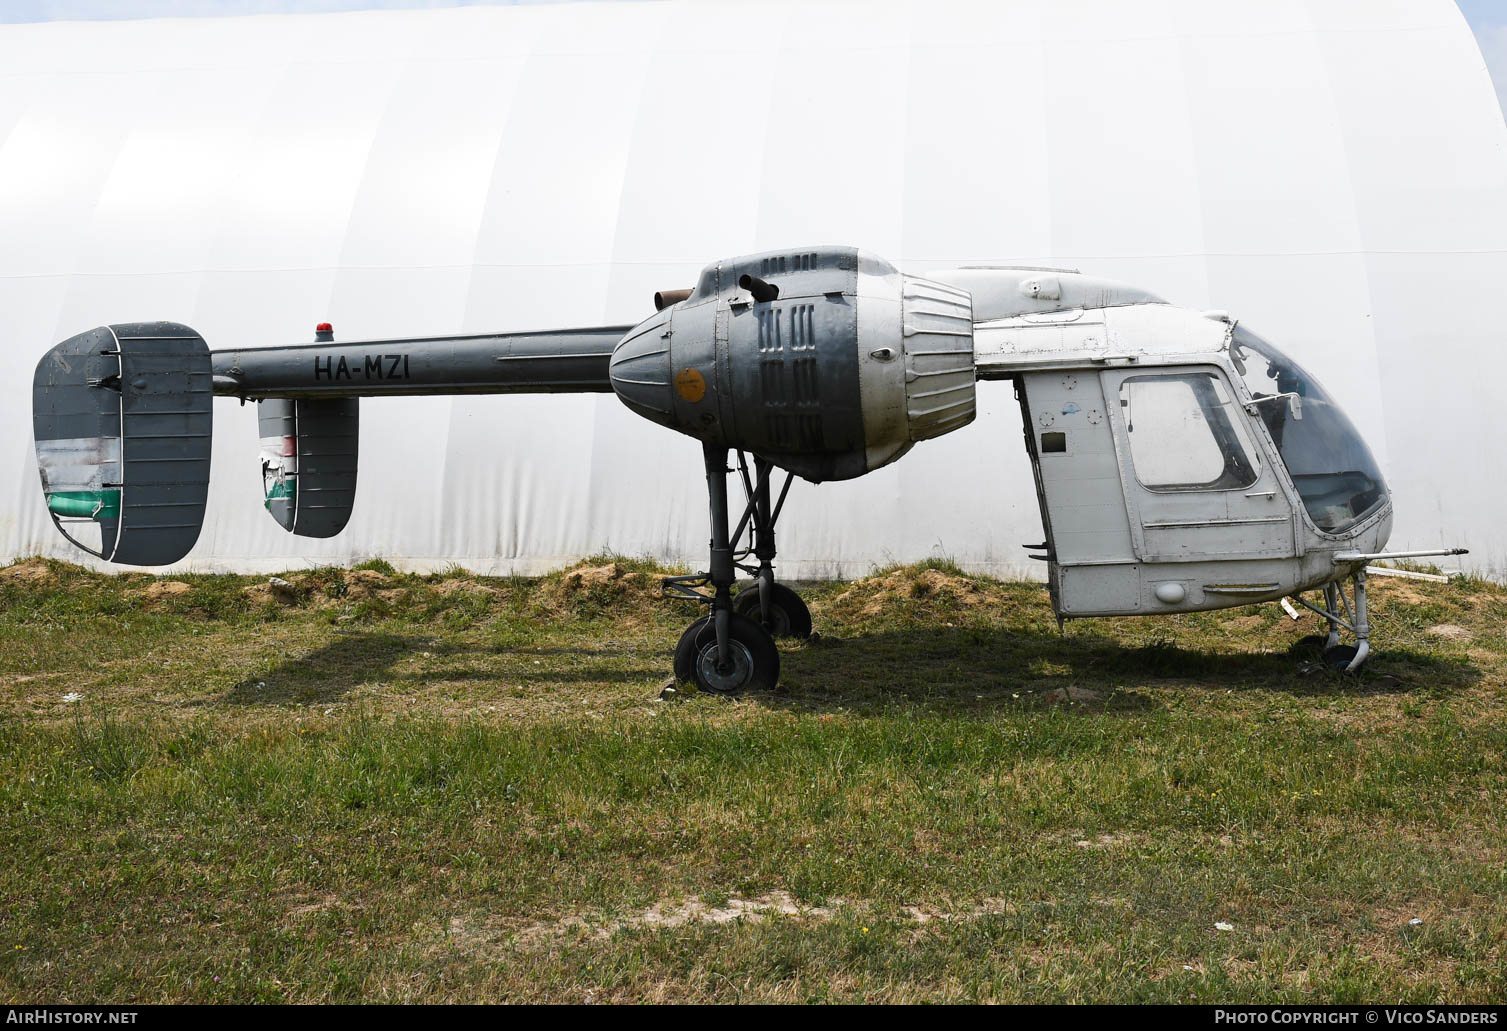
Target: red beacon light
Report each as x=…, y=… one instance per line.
x=324, y=333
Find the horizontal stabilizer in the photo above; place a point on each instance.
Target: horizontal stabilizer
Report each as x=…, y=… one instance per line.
x=308, y=450
x=123, y=427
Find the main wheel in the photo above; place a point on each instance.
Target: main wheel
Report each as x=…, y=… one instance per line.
x=753, y=665
x=786, y=614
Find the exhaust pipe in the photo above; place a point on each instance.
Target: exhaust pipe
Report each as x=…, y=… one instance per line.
x=762, y=291
x=664, y=298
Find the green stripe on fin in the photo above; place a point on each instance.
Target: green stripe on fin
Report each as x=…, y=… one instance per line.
x=282, y=490
x=85, y=504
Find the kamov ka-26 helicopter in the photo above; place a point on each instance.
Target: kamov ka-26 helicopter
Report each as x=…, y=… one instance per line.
x=1181, y=461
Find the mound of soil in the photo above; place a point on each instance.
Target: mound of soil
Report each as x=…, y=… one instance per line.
x=586, y=589
x=32, y=571
x=323, y=588
x=159, y=592
x=908, y=588
x=462, y=585
x=276, y=590
x=363, y=583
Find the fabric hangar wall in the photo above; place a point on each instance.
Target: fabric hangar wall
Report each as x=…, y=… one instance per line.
x=1331, y=172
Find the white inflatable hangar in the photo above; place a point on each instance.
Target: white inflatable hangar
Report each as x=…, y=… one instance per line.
x=1333, y=173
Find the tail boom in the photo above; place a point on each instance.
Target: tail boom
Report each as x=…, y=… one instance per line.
x=561, y=361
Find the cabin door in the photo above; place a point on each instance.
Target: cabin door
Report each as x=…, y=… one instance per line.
x=1197, y=484
x=1092, y=565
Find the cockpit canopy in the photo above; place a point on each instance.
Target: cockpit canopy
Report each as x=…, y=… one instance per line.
x=1331, y=466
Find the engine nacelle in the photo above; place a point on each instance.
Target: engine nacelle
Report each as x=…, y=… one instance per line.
x=828, y=362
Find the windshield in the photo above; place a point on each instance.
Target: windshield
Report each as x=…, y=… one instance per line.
x=1329, y=462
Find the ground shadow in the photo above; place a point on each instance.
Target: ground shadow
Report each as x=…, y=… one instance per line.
x=979, y=669
x=960, y=669
x=327, y=673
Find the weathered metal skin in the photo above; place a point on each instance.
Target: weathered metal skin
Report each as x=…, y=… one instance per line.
x=827, y=361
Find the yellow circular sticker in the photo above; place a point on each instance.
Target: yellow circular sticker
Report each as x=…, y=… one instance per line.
x=690, y=385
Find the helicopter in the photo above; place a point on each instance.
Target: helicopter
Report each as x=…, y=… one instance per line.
x=1181, y=461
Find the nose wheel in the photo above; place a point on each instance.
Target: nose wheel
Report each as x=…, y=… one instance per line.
x=1338, y=613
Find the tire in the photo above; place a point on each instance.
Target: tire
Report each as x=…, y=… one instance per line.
x=1338, y=657
x=788, y=614
x=1310, y=647
x=756, y=661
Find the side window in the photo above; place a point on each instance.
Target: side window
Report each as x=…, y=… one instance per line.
x=1186, y=433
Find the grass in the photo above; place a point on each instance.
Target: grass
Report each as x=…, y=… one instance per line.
x=377, y=786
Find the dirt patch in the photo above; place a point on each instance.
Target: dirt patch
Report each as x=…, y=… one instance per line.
x=694, y=911
x=932, y=914
x=910, y=587
x=472, y=934
x=450, y=588
x=1243, y=623
x=322, y=590
x=593, y=576
x=162, y=590
x=1103, y=841
x=1450, y=632
x=32, y=571
x=314, y=908
x=363, y=583
x=1406, y=591
x=276, y=591
x=587, y=589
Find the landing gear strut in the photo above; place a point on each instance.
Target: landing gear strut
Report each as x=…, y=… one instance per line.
x=1344, y=657
x=732, y=649
x=773, y=605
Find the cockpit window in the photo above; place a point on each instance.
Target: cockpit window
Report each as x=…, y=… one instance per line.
x=1331, y=466
x=1185, y=434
